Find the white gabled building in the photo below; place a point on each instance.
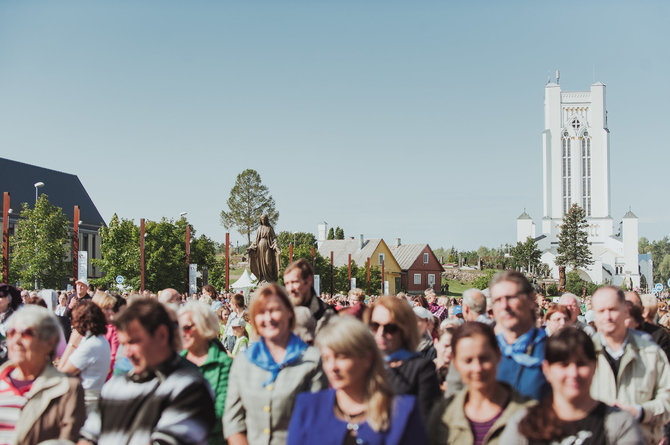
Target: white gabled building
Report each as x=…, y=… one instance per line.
x=576, y=170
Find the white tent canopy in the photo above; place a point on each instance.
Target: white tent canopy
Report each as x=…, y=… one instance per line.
x=245, y=282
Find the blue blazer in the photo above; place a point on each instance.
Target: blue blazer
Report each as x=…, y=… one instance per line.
x=314, y=421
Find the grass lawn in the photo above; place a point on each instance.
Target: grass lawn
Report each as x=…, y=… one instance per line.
x=456, y=288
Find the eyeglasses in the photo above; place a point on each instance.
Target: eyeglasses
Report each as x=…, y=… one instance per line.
x=26, y=334
x=388, y=328
x=187, y=328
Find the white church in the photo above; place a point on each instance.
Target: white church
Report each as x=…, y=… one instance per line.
x=576, y=169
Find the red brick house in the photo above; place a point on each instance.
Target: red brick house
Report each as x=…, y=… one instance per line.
x=420, y=268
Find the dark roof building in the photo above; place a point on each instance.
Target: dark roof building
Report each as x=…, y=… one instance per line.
x=64, y=190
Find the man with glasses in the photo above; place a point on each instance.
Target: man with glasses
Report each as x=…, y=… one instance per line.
x=521, y=343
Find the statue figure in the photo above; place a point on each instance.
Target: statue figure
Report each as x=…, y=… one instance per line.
x=264, y=258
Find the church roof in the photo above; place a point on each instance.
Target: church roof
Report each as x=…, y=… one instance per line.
x=64, y=190
x=630, y=214
x=524, y=215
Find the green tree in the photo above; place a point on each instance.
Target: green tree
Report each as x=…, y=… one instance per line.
x=339, y=233
x=658, y=249
x=527, y=254
x=249, y=200
x=331, y=234
x=165, y=254
x=573, y=245
x=663, y=269
x=40, y=245
x=483, y=280
x=217, y=273
x=120, y=251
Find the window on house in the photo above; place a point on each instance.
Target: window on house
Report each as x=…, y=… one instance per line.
x=381, y=258
x=431, y=279
x=417, y=278
x=425, y=258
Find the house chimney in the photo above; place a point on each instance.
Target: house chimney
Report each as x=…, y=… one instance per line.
x=361, y=243
x=397, y=242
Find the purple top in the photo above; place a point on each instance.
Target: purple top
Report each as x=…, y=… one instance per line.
x=480, y=429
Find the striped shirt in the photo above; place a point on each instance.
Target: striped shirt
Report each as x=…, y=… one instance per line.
x=173, y=405
x=12, y=400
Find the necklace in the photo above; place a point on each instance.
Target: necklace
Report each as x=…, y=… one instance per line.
x=352, y=425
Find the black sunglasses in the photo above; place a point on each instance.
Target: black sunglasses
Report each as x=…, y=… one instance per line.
x=389, y=328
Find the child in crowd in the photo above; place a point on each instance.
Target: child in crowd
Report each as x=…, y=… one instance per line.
x=240, y=333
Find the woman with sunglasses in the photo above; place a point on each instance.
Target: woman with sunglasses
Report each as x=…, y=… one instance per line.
x=37, y=402
x=393, y=325
x=568, y=414
x=476, y=414
x=199, y=327
x=360, y=407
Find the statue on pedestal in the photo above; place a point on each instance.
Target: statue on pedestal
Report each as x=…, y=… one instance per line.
x=264, y=259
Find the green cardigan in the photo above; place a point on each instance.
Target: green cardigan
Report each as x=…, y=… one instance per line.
x=215, y=370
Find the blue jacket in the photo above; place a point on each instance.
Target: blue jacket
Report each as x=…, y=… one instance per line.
x=314, y=421
x=527, y=380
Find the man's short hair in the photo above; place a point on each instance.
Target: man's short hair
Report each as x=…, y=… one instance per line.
x=569, y=295
x=150, y=314
x=475, y=300
x=621, y=297
x=303, y=266
x=523, y=285
x=238, y=301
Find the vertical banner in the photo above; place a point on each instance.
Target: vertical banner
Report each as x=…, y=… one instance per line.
x=353, y=283
x=82, y=265
x=386, y=288
x=192, y=279
x=317, y=284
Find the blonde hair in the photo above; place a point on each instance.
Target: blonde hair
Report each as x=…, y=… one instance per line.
x=104, y=300
x=350, y=337
x=358, y=294
x=402, y=315
x=204, y=318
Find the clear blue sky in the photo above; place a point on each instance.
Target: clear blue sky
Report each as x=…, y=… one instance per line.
x=411, y=119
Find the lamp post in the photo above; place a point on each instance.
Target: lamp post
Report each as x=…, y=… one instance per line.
x=188, y=252
x=75, y=245
x=37, y=185
x=5, y=237
x=142, y=235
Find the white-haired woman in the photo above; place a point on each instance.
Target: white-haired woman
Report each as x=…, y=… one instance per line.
x=360, y=407
x=199, y=328
x=37, y=402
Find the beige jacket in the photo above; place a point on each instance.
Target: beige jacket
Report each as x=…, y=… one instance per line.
x=644, y=379
x=54, y=410
x=264, y=413
x=449, y=426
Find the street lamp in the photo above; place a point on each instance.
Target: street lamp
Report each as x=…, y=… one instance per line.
x=38, y=185
x=183, y=214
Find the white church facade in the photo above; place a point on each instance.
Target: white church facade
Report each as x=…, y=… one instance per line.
x=576, y=170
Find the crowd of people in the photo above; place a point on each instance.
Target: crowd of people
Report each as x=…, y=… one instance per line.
x=286, y=366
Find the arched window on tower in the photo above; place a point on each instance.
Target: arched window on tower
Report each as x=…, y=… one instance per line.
x=586, y=173
x=566, y=171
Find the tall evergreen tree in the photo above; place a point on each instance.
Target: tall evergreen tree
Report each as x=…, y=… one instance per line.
x=331, y=233
x=249, y=200
x=339, y=233
x=573, y=245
